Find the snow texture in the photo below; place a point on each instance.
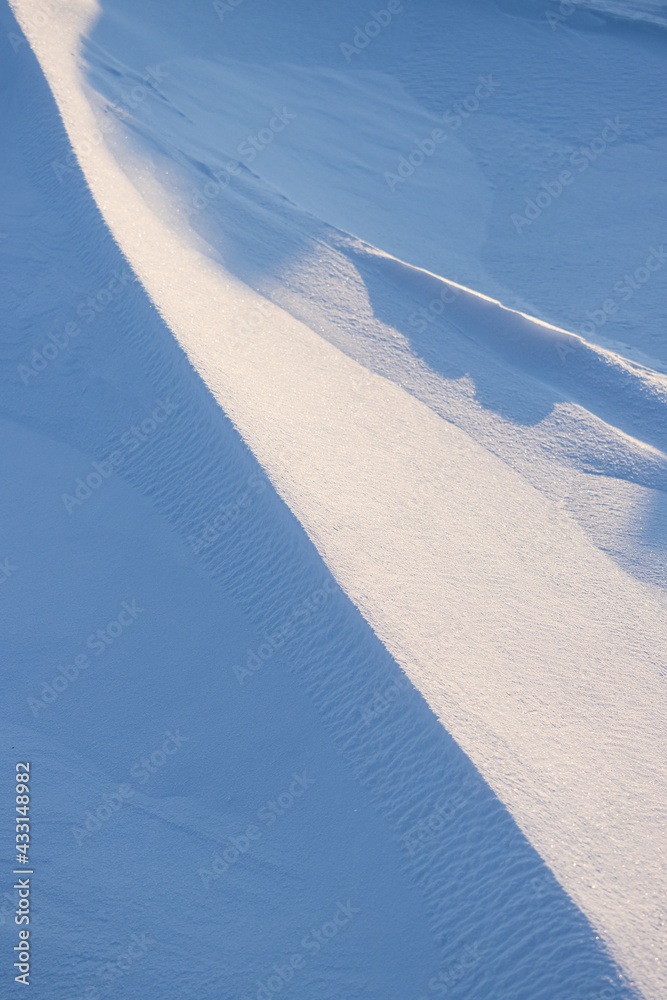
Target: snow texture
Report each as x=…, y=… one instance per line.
x=335, y=616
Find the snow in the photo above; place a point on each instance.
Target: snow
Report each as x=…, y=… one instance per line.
x=398, y=546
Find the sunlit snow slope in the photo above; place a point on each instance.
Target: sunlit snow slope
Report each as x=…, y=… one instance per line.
x=486, y=489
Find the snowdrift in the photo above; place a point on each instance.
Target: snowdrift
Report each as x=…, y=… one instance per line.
x=414, y=686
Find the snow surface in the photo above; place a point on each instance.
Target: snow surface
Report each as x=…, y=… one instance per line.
x=441, y=535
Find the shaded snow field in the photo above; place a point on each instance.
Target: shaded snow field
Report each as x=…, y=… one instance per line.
x=405, y=556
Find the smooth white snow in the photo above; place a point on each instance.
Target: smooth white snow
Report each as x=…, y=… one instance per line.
x=445, y=501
